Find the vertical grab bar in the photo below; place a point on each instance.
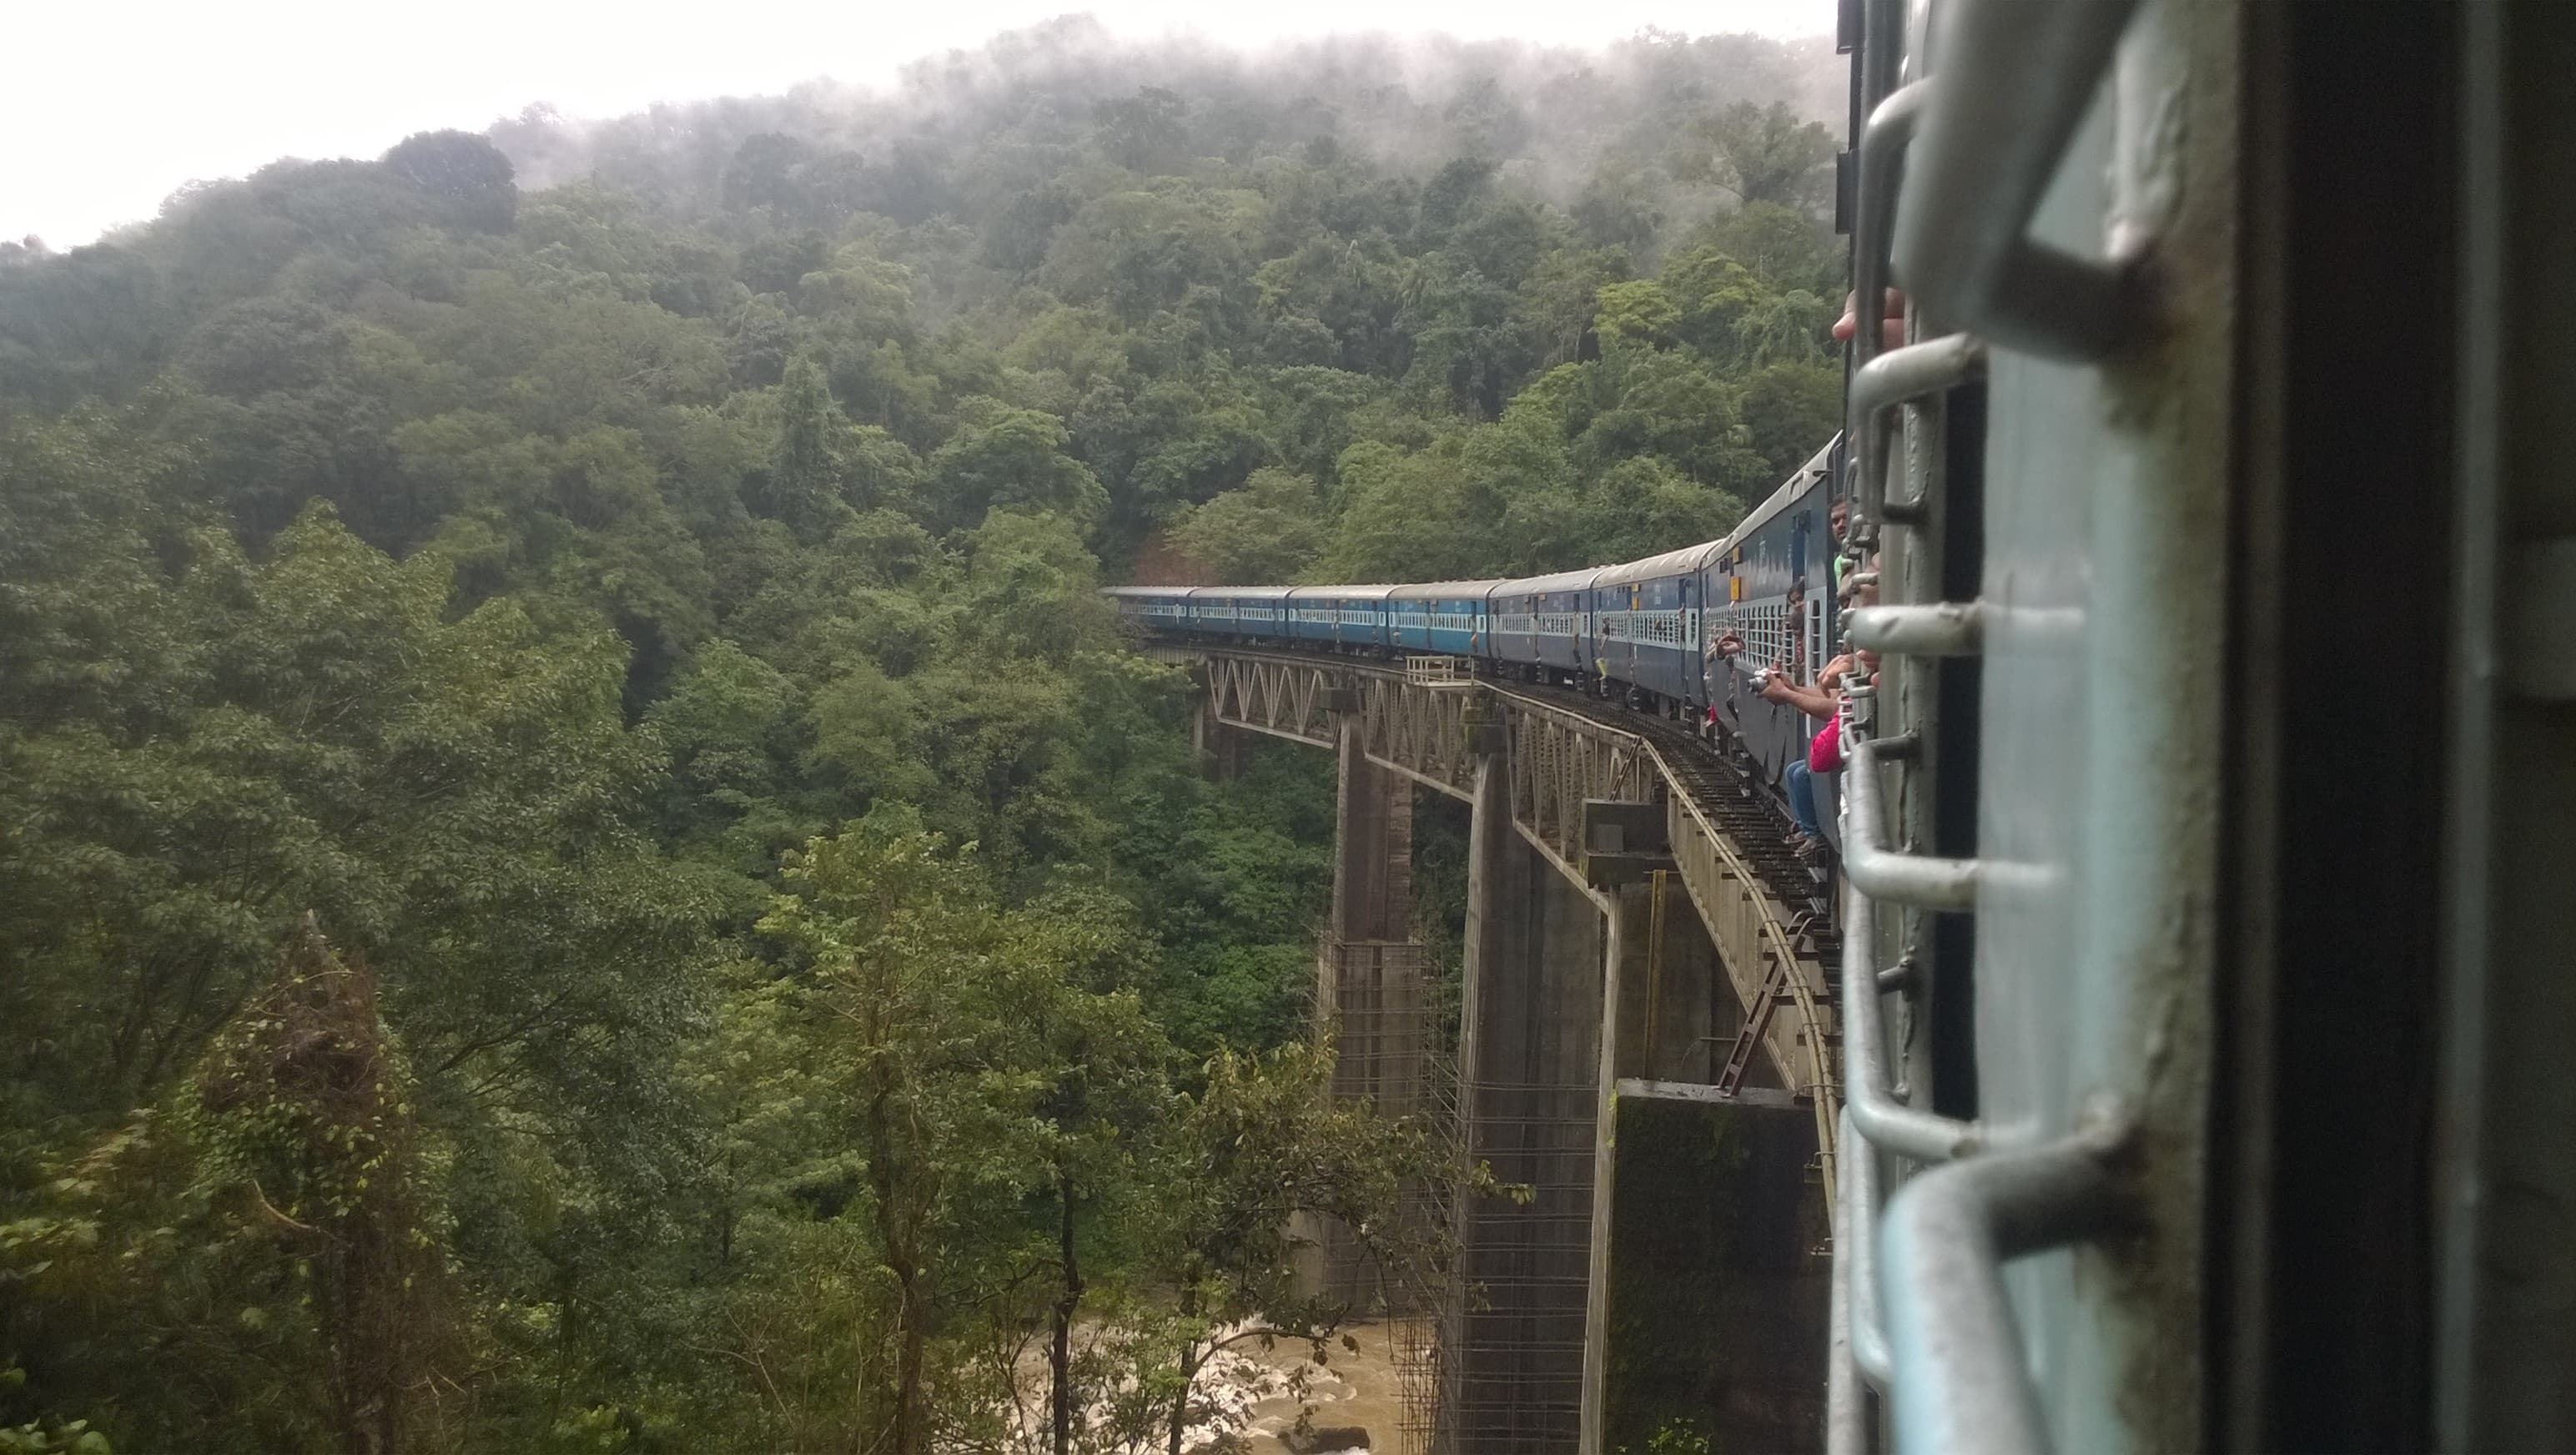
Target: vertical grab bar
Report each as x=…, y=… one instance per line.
x=1884, y=382
x=1859, y=1169
x=1883, y=141
x=1868, y=1097
x=2014, y=84
x=1877, y=871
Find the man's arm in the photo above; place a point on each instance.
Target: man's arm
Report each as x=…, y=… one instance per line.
x=1806, y=699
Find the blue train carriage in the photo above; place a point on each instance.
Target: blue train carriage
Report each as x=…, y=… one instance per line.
x=1253, y=613
x=1771, y=582
x=1541, y=626
x=1313, y=615
x=1348, y=618
x=1154, y=608
x=1441, y=616
x=1646, y=629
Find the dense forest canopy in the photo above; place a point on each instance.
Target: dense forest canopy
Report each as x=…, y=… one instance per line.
x=582, y=867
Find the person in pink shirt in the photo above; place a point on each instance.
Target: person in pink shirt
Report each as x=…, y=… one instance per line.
x=1824, y=747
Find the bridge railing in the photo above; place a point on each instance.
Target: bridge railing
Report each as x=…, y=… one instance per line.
x=1716, y=874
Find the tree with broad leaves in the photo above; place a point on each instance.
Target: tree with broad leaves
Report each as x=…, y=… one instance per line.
x=465, y=174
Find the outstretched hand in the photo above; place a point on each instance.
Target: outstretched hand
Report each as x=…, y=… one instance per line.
x=1891, y=326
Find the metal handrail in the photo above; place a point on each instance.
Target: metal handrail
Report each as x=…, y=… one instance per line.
x=1826, y=1095
x=1846, y=1402
x=2014, y=84
x=1883, y=141
x=1960, y=1381
x=1868, y=1327
x=1891, y=379
x=1880, y=872
x=1881, y=1119
x=1945, y=629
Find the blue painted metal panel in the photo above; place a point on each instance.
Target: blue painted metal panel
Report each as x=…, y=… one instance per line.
x=1441, y=616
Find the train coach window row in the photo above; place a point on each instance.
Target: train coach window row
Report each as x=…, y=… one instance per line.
x=1664, y=628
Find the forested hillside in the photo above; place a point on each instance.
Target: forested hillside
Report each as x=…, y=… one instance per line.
x=581, y=866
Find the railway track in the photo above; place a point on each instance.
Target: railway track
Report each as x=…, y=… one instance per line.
x=1726, y=796
x=1720, y=789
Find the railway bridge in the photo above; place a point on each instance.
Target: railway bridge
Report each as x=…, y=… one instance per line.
x=1642, y=1034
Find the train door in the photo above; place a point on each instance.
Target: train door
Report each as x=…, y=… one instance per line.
x=2059, y=1089
x=1690, y=668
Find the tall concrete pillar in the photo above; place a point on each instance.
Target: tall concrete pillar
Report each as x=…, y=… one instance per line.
x=1663, y=1010
x=1529, y=1049
x=1676, y=1013
x=1736, y=1226
x=1369, y=980
x=1219, y=748
x=1372, y=845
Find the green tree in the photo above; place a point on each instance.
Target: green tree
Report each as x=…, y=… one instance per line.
x=1766, y=153
x=470, y=179
x=1265, y=533
x=1005, y=457
x=303, y=1107
x=1260, y=1149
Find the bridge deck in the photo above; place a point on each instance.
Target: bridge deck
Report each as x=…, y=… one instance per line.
x=1758, y=901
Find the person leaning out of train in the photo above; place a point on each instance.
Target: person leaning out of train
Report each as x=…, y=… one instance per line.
x=1723, y=647
x=1797, y=782
x=1824, y=747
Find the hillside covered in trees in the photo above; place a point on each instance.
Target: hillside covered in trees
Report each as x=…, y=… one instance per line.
x=581, y=865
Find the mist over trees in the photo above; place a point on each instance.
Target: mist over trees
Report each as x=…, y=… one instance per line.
x=582, y=866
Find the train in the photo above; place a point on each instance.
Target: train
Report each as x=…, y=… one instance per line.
x=2206, y=832
x=1643, y=633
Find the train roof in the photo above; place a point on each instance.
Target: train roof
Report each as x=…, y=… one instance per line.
x=1578, y=580
x=1258, y=593
x=1345, y=593
x=1444, y=590
x=1150, y=590
x=1684, y=562
x=1799, y=483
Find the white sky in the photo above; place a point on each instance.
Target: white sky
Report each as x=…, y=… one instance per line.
x=106, y=108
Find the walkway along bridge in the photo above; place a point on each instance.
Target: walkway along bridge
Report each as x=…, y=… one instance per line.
x=1647, y=1004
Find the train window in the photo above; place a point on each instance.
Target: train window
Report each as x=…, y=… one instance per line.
x=1815, y=637
x=1765, y=630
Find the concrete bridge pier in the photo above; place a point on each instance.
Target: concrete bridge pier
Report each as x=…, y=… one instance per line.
x=1703, y=1217
x=1529, y=1051
x=1218, y=745
x=1369, y=980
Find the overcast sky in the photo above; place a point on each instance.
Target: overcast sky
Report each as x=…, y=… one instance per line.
x=107, y=108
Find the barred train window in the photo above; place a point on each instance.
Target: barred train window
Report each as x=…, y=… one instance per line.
x=1765, y=629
